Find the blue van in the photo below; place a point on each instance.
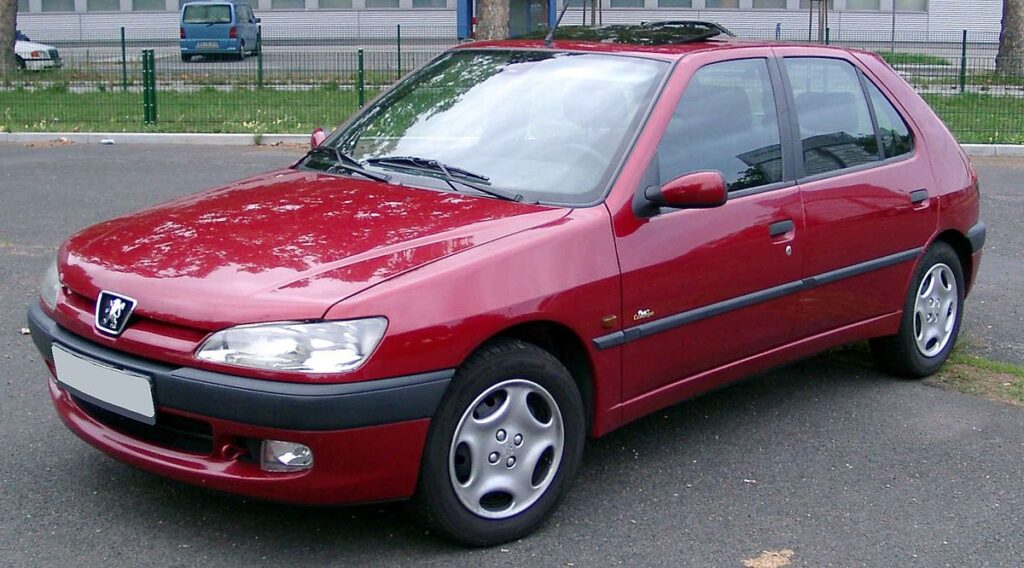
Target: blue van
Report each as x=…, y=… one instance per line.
x=218, y=28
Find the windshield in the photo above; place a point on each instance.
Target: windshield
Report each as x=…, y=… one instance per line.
x=207, y=14
x=547, y=125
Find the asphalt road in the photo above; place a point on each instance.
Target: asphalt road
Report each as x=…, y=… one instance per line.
x=837, y=463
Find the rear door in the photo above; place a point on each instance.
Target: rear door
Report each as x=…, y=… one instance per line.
x=206, y=22
x=866, y=185
x=706, y=287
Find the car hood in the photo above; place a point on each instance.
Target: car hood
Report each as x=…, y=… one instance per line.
x=26, y=47
x=281, y=246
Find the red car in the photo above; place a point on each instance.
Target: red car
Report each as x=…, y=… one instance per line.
x=519, y=246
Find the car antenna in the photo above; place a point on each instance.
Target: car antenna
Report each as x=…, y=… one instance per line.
x=549, y=40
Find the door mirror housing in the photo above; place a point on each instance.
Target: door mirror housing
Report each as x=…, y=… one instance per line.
x=698, y=190
x=317, y=138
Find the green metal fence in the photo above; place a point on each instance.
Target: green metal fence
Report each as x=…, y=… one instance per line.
x=135, y=80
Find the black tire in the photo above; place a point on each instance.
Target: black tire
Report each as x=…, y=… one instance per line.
x=492, y=365
x=899, y=354
x=241, y=52
x=186, y=58
x=19, y=62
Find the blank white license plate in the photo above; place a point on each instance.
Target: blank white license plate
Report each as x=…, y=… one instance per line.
x=119, y=391
x=207, y=45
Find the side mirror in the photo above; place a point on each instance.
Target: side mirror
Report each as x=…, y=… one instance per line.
x=699, y=190
x=257, y=20
x=317, y=138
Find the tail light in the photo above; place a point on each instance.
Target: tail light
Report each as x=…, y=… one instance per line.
x=181, y=33
x=233, y=33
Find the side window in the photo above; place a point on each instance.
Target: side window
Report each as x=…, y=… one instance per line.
x=835, y=123
x=725, y=121
x=892, y=129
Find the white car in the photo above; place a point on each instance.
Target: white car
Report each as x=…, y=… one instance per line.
x=34, y=56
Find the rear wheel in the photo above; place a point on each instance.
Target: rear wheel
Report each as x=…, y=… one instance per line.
x=503, y=447
x=932, y=313
x=186, y=58
x=241, y=51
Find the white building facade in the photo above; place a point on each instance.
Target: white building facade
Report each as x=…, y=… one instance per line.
x=928, y=18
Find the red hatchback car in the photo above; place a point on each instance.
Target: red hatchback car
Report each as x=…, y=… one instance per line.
x=518, y=246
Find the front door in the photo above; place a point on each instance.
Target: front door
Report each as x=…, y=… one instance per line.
x=706, y=287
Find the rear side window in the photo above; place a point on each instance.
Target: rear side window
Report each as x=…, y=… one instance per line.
x=835, y=123
x=207, y=14
x=725, y=121
x=895, y=135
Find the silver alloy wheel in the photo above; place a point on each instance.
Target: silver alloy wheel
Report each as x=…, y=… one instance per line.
x=935, y=310
x=506, y=449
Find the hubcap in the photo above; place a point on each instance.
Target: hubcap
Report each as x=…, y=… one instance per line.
x=935, y=310
x=506, y=449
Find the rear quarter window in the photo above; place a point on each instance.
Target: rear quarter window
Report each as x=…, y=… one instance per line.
x=893, y=130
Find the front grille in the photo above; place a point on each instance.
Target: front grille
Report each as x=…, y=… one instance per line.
x=170, y=431
x=54, y=55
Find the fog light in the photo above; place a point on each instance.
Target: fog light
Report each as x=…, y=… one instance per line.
x=285, y=456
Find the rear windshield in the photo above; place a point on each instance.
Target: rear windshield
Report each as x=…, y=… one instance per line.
x=207, y=14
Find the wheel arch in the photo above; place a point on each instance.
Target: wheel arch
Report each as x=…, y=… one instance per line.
x=564, y=344
x=962, y=246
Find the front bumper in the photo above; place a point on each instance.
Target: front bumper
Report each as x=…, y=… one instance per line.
x=42, y=63
x=366, y=437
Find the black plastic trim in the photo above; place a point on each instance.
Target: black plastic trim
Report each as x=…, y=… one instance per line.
x=976, y=235
x=273, y=404
x=670, y=322
x=918, y=195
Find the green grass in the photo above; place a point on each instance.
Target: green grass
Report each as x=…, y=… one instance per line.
x=973, y=118
x=984, y=119
x=206, y=110
x=976, y=375
x=912, y=59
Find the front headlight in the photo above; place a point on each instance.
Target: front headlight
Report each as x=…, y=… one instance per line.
x=48, y=287
x=320, y=347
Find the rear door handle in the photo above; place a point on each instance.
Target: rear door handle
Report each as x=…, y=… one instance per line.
x=918, y=196
x=780, y=228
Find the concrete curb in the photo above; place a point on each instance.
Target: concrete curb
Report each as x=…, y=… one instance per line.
x=1008, y=150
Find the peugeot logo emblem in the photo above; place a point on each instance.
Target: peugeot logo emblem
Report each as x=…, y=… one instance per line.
x=112, y=313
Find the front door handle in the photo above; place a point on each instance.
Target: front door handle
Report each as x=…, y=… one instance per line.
x=780, y=228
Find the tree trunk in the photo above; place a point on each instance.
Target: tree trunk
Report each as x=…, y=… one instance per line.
x=8, y=15
x=1010, y=60
x=492, y=22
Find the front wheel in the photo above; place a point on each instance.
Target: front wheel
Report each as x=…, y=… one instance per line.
x=932, y=313
x=504, y=446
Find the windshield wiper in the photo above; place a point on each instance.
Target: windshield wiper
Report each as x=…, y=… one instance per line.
x=347, y=163
x=449, y=173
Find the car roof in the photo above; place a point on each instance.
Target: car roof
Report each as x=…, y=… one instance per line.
x=668, y=52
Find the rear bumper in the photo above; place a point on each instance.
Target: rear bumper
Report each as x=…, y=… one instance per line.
x=366, y=438
x=200, y=47
x=976, y=236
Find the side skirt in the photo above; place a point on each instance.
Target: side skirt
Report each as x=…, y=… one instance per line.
x=725, y=375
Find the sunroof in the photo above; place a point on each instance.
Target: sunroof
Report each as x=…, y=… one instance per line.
x=649, y=33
